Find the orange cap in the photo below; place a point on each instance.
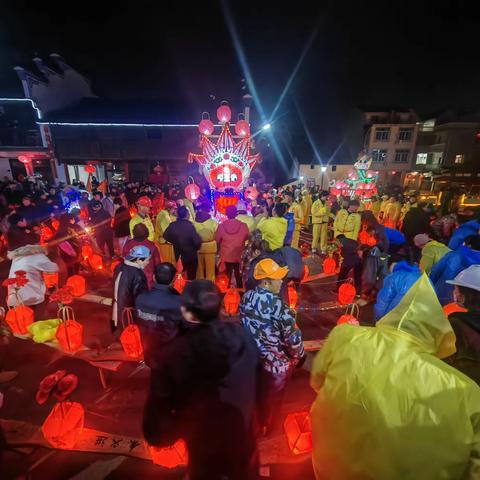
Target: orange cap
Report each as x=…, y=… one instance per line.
x=268, y=268
x=144, y=201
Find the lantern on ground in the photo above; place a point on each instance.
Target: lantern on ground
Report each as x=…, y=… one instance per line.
x=77, y=284
x=192, y=191
x=329, y=266
x=70, y=332
x=453, y=308
x=95, y=261
x=347, y=318
x=346, y=294
x=224, y=113
x=130, y=337
x=179, y=282
x=50, y=279
x=222, y=282
x=292, y=296
x=298, y=431
x=231, y=301
x=64, y=424
x=19, y=318
x=242, y=128
x=170, y=457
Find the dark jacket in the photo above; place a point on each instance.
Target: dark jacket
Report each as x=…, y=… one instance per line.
x=101, y=223
x=159, y=318
x=204, y=391
x=184, y=238
x=154, y=259
x=349, y=251
x=292, y=258
x=466, y=326
x=416, y=221
x=19, y=237
x=121, y=223
x=128, y=283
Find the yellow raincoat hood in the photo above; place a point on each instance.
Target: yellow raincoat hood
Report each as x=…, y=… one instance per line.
x=387, y=407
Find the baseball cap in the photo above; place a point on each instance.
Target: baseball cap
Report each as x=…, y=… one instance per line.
x=139, y=251
x=144, y=201
x=268, y=268
x=469, y=278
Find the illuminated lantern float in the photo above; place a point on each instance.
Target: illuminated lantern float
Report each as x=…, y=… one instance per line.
x=226, y=165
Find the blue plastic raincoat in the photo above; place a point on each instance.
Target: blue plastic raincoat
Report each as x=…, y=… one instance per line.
x=462, y=232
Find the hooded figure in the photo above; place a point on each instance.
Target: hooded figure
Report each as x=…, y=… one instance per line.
x=387, y=407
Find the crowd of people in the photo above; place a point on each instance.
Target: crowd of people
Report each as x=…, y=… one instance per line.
x=384, y=392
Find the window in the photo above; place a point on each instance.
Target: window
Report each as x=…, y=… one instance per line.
x=382, y=134
x=422, y=158
x=405, y=135
x=379, y=155
x=401, y=156
x=459, y=158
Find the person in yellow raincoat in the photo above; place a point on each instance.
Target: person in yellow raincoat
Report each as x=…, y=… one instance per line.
x=347, y=222
x=306, y=205
x=164, y=219
x=387, y=406
x=320, y=217
x=243, y=216
x=432, y=251
x=375, y=206
x=274, y=229
x=144, y=204
x=383, y=206
x=297, y=210
x=392, y=213
x=411, y=203
x=206, y=227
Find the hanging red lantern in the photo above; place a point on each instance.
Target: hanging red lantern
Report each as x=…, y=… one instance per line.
x=170, y=457
x=346, y=293
x=231, y=301
x=292, y=296
x=19, y=318
x=130, y=337
x=222, y=282
x=298, y=431
x=70, y=332
x=224, y=113
x=50, y=279
x=347, y=318
x=242, y=128
x=64, y=424
x=96, y=261
x=192, y=192
x=77, y=284
x=251, y=193
x=179, y=282
x=24, y=159
x=453, y=308
x=90, y=168
x=329, y=266
x=206, y=127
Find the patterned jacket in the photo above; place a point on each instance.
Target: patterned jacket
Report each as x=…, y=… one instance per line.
x=272, y=325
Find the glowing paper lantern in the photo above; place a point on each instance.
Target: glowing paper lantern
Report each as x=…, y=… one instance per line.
x=130, y=338
x=329, y=266
x=192, y=192
x=64, y=425
x=224, y=113
x=50, y=279
x=206, y=127
x=170, y=457
x=19, y=318
x=96, y=261
x=453, y=308
x=77, y=284
x=231, y=301
x=292, y=296
x=89, y=168
x=242, y=128
x=70, y=332
x=179, y=282
x=298, y=431
x=346, y=293
x=350, y=319
x=24, y=159
x=222, y=282
x=87, y=250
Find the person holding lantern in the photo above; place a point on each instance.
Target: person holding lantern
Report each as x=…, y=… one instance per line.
x=144, y=204
x=348, y=221
x=320, y=218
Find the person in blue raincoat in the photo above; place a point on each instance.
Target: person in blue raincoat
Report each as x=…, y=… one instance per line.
x=452, y=264
x=462, y=232
x=395, y=286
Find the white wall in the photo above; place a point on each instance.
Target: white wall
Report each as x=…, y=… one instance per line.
x=5, y=169
x=340, y=173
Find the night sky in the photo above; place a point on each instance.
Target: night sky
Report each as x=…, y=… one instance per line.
x=422, y=55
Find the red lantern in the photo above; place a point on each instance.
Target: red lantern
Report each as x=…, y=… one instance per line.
x=453, y=308
x=130, y=338
x=50, y=279
x=242, y=128
x=222, y=282
x=329, y=266
x=179, y=282
x=89, y=168
x=192, y=192
x=170, y=457
x=70, y=332
x=87, y=250
x=64, y=425
x=292, y=296
x=96, y=261
x=298, y=431
x=45, y=235
x=132, y=212
x=24, y=159
x=346, y=293
x=206, y=127
x=77, y=284
x=231, y=301
x=55, y=224
x=224, y=113
x=350, y=319
x=19, y=318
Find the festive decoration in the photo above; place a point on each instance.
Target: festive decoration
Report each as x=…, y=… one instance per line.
x=192, y=190
x=130, y=337
x=45, y=234
x=329, y=266
x=64, y=296
x=366, y=238
x=24, y=159
x=206, y=127
x=170, y=457
x=87, y=250
x=346, y=318
x=50, y=279
x=346, y=293
x=231, y=301
x=70, y=332
x=96, y=262
x=224, y=113
x=292, y=296
x=19, y=318
x=78, y=285
x=298, y=431
x=242, y=128
x=453, y=308
x=179, y=282
x=89, y=169
x=222, y=282
x=64, y=425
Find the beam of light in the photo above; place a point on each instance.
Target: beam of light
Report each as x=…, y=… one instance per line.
x=267, y=126
x=309, y=135
x=34, y=106
x=295, y=70
x=93, y=124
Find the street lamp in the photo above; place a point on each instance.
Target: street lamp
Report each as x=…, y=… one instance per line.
x=323, y=169
x=267, y=126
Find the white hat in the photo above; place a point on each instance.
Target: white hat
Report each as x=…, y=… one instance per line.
x=470, y=278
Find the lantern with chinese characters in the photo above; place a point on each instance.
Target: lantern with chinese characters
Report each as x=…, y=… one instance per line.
x=231, y=301
x=251, y=193
x=329, y=266
x=292, y=296
x=19, y=318
x=192, y=191
x=242, y=128
x=96, y=261
x=206, y=127
x=179, y=282
x=222, y=282
x=78, y=285
x=224, y=113
x=130, y=338
x=298, y=431
x=346, y=294
x=70, y=332
x=89, y=169
x=170, y=457
x=50, y=279
x=64, y=424
x=453, y=308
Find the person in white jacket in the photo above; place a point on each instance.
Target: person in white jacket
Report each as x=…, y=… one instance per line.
x=32, y=260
